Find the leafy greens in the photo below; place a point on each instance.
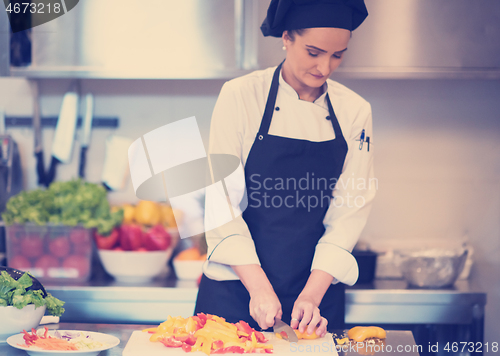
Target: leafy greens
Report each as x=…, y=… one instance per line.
x=15, y=293
x=68, y=203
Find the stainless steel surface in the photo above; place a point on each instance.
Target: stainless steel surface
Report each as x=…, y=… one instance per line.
x=384, y=302
x=280, y=326
x=416, y=38
x=221, y=39
x=431, y=268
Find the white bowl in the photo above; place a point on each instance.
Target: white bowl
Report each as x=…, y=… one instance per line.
x=134, y=266
x=15, y=320
x=188, y=269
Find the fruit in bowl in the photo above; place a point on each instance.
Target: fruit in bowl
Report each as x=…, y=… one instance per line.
x=138, y=266
x=135, y=253
x=22, y=306
x=188, y=264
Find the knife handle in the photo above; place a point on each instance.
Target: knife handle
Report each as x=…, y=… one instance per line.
x=40, y=167
x=83, y=159
x=49, y=177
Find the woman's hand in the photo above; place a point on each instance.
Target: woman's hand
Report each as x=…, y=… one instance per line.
x=264, y=303
x=264, y=307
x=306, y=314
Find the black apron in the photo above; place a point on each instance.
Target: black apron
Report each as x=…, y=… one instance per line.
x=286, y=222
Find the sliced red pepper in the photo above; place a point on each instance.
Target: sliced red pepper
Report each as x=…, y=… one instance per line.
x=170, y=342
x=186, y=348
x=29, y=338
x=246, y=328
x=284, y=335
x=218, y=344
x=45, y=334
x=260, y=337
x=268, y=351
x=189, y=339
x=234, y=349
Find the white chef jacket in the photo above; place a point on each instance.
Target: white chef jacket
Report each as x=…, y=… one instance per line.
x=235, y=122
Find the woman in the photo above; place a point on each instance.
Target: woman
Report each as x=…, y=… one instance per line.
x=297, y=133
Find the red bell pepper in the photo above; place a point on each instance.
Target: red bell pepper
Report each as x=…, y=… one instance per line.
x=107, y=242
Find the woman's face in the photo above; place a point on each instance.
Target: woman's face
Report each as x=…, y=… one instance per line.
x=313, y=56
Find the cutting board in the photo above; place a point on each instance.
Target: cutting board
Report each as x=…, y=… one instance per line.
x=139, y=345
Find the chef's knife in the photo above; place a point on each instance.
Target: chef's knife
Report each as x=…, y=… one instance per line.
x=37, y=129
x=62, y=145
x=86, y=128
x=282, y=328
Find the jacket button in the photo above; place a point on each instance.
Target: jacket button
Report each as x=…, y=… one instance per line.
x=261, y=137
x=277, y=108
x=328, y=117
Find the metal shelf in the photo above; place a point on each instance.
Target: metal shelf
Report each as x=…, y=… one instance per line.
x=97, y=122
x=343, y=72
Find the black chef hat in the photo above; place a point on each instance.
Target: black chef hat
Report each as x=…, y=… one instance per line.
x=296, y=14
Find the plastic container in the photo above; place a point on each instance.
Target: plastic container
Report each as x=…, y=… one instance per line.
x=51, y=252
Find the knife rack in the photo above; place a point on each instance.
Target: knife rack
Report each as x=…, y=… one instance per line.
x=51, y=122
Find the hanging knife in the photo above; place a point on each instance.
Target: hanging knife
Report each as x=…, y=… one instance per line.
x=37, y=129
x=64, y=136
x=86, y=128
x=285, y=330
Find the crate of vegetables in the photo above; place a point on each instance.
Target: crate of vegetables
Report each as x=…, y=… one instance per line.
x=49, y=232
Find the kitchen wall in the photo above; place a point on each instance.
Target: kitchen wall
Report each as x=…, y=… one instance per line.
x=437, y=154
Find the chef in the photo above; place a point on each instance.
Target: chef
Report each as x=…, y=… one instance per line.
x=305, y=144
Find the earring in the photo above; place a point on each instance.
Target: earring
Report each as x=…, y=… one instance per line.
x=284, y=48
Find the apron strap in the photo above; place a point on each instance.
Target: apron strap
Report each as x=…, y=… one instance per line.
x=271, y=100
x=333, y=118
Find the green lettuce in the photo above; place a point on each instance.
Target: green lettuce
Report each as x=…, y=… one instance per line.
x=69, y=203
x=14, y=293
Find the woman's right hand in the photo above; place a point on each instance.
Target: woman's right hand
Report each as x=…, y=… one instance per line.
x=264, y=303
x=265, y=307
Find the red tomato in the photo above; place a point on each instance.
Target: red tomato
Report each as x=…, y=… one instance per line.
x=80, y=263
x=79, y=236
x=130, y=237
x=32, y=246
x=84, y=249
x=156, y=238
x=47, y=261
x=107, y=242
x=19, y=262
x=59, y=246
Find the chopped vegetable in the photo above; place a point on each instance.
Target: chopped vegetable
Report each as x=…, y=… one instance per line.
x=210, y=334
x=361, y=333
x=68, y=341
x=15, y=293
x=68, y=203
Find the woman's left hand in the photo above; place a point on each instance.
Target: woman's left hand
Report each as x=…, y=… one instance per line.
x=306, y=314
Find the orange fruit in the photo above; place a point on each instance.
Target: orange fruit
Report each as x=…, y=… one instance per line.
x=189, y=254
x=147, y=213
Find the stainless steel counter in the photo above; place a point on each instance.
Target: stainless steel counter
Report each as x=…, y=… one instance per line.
x=385, y=302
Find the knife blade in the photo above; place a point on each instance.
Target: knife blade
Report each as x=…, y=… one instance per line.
x=86, y=128
x=62, y=145
x=280, y=326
